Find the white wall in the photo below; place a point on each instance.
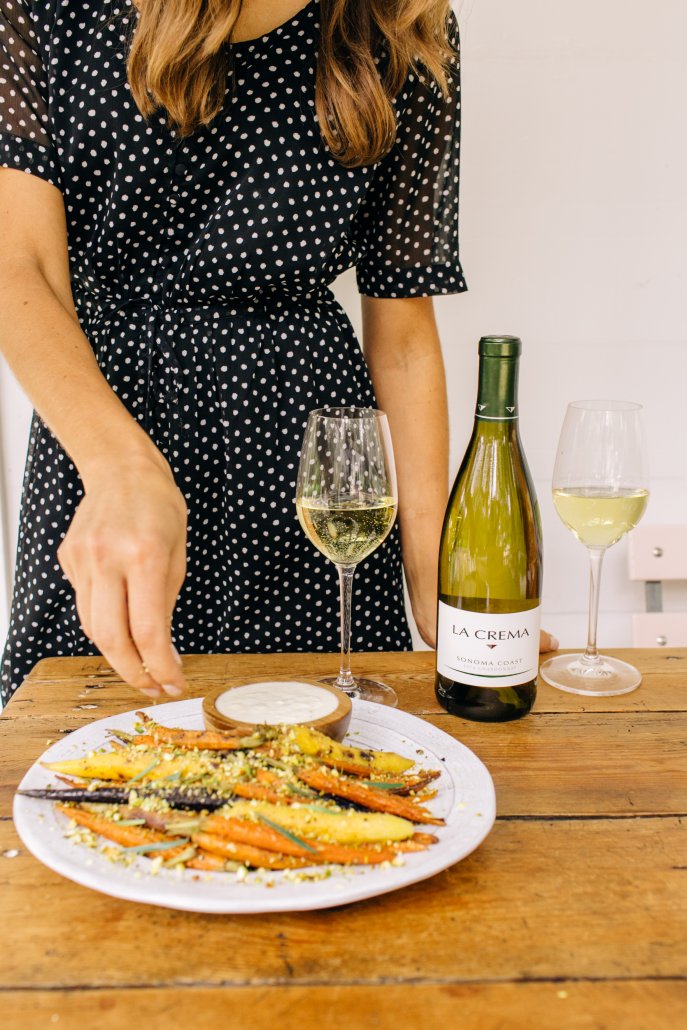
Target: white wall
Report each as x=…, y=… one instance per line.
x=574, y=222
x=574, y=217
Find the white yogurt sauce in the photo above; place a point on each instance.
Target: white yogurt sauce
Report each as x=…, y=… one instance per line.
x=276, y=702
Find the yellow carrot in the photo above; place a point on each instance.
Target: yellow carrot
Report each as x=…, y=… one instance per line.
x=130, y=765
x=334, y=827
x=353, y=759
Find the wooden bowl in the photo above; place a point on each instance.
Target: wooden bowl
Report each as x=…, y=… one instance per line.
x=334, y=723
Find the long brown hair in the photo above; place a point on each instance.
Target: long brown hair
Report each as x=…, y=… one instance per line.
x=178, y=62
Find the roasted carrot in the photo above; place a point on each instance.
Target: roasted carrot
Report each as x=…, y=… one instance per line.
x=269, y=777
x=126, y=836
x=418, y=842
x=258, y=792
x=203, y=740
x=210, y=863
x=412, y=784
x=258, y=857
x=345, y=766
x=270, y=787
x=352, y=768
x=71, y=782
x=376, y=800
x=273, y=750
x=425, y=838
x=316, y=852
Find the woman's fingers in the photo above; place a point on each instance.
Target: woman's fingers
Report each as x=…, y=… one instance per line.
x=149, y=619
x=125, y=557
x=80, y=584
x=82, y=596
x=109, y=619
x=547, y=642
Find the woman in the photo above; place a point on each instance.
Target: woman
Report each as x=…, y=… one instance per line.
x=200, y=173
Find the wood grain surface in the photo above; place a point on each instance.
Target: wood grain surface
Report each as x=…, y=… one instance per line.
x=629, y=1005
x=573, y=912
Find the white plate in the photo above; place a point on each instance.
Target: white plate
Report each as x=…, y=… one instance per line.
x=465, y=800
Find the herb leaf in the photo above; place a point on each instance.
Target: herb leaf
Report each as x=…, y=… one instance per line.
x=160, y=845
x=287, y=833
x=383, y=784
x=144, y=772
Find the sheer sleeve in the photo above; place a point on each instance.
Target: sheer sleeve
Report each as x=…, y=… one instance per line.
x=25, y=140
x=407, y=226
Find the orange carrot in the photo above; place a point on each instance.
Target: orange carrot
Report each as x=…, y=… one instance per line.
x=126, y=836
x=204, y=740
x=425, y=838
x=257, y=792
x=370, y=797
x=414, y=783
x=210, y=863
x=418, y=842
x=257, y=857
x=314, y=851
x=270, y=787
x=245, y=831
x=70, y=781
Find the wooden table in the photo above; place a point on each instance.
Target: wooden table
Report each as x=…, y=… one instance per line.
x=571, y=914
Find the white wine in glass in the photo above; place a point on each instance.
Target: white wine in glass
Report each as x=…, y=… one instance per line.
x=346, y=500
x=600, y=491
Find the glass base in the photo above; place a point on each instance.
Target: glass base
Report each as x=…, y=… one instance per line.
x=578, y=674
x=366, y=690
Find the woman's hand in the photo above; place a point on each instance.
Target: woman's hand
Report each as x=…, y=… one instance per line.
x=125, y=556
x=424, y=608
x=124, y=552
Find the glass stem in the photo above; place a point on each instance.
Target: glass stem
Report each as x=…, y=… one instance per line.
x=345, y=681
x=596, y=557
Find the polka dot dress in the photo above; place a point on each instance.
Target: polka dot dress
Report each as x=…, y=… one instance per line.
x=201, y=269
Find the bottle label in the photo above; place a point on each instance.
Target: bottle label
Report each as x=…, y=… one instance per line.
x=484, y=650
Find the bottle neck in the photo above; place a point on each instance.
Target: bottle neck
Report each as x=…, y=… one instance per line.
x=497, y=396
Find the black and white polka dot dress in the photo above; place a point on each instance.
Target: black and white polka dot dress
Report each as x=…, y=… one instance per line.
x=200, y=270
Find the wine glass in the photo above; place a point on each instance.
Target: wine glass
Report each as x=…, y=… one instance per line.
x=346, y=499
x=600, y=491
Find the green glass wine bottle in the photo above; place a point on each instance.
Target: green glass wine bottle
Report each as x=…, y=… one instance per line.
x=490, y=561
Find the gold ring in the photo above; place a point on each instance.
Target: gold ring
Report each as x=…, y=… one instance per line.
x=145, y=669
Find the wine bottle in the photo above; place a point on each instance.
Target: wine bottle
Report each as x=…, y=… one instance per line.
x=490, y=560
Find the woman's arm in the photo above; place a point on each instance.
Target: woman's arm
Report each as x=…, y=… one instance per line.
x=124, y=553
x=403, y=353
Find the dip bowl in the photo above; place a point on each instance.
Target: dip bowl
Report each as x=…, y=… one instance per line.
x=245, y=706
